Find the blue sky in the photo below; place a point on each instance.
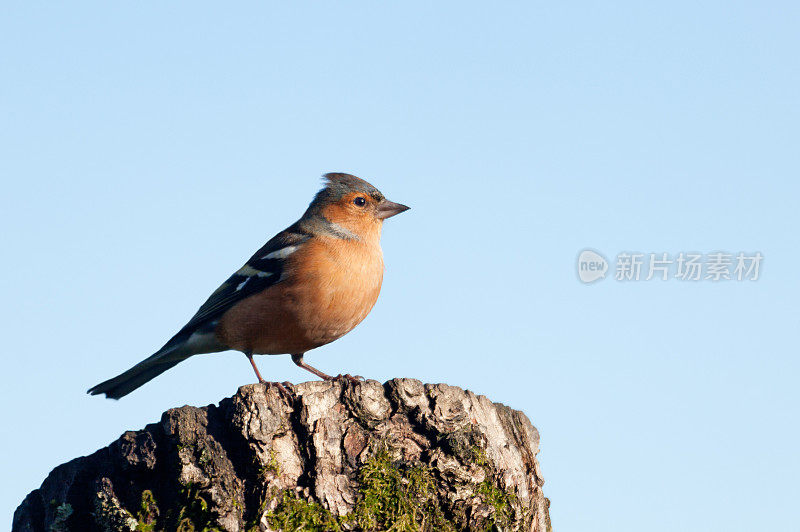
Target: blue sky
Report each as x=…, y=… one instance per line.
x=147, y=150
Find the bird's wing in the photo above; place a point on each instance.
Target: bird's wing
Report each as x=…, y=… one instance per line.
x=263, y=270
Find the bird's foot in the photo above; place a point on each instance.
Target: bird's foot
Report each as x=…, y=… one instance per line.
x=285, y=388
x=349, y=378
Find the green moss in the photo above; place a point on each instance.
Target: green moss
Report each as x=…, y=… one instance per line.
x=500, y=501
x=204, y=458
x=466, y=444
x=266, y=472
x=396, y=498
x=391, y=497
x=272, y=466
x=195, y=515
x=293, y=513
x=148, y=513
x=62, y=514
x=478, y=456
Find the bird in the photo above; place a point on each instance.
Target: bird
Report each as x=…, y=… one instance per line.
x=309, y=285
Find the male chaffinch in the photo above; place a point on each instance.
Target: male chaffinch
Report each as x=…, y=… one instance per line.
x=308, y=286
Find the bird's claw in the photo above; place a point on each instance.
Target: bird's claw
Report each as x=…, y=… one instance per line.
x=350, y=378
x=285, y=388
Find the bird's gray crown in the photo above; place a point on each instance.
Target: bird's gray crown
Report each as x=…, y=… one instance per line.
x=338, y=185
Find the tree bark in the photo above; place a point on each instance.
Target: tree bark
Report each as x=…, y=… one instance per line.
x=329, y=456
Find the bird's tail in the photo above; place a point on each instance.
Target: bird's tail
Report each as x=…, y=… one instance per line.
x=144, y=371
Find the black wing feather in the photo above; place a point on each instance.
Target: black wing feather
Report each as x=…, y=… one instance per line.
x=232, y=291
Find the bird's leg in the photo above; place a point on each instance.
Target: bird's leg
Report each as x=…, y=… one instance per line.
x=281, y=386
x=298, y=359
x=249, y=356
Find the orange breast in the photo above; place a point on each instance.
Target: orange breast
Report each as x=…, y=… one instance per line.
x=331, y=287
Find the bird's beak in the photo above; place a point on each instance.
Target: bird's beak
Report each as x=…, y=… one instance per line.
x=387, y=209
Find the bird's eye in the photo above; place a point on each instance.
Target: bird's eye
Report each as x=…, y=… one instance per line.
x=360, y=201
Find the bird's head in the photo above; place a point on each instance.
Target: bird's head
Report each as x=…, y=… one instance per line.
x=353, y=204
